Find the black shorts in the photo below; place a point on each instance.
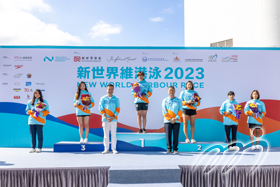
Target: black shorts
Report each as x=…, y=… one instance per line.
x=141, y=106
x=82, y=115
x=189, y=112
x=254, y=126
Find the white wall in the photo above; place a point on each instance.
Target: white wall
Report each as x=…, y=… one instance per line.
x=251, y=23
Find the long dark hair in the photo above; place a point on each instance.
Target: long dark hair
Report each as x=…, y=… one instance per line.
x=78, y=93
x=191, y=83
x=40, y=98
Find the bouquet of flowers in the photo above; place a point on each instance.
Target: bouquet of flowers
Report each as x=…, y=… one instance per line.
x=38, y=108
x=136, y=88
x=195, y=97
x=86, y=101
x=237, y=110
x=254, y=108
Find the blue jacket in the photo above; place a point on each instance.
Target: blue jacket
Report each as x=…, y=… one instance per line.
x=185, y=96
x=109, y=107
x=227, y=106
x=146, y=88
x=41, y=119
x=262, y=111
x=79, y=106
x=172, y=108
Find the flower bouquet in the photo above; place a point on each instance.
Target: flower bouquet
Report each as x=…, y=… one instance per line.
x=195, y=97
x=237, y=110
x=254, y=109
x=86, y=100
x=38, y=108
x=136, y=88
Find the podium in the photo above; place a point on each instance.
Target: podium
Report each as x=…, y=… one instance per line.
x=78, y=147
x=138, y=142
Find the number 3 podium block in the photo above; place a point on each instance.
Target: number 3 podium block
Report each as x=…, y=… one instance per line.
x=77, y=147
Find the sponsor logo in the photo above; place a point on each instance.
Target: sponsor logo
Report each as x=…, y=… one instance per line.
x=7, y=65
x=77, y=59
x=118, y=58
x=17, y=89
x=56, y=59
x=49, y=59
x=28, y=75
x=17, y=83
x=43, y=90
x=28, y=96
x=28, y=83
x=18, y=75
x=28, y=90
x=18, y=66
x=5, y=57
x=176, y=59
x=4, y=83
x=144, y=53
x=213, y=58
x=61, y=59
x=146, y=59
x=232, y=58
x=87, y=59
x=40, y=83
x=194, y=60
x=5, y=74
x=16, y=97
x=22, y=58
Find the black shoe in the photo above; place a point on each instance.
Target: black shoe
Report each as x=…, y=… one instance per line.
x=144, y=131
x=140, y=131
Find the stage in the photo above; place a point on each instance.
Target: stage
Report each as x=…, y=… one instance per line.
x=127, y=167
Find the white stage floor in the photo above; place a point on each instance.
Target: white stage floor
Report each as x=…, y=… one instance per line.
x=20, y=158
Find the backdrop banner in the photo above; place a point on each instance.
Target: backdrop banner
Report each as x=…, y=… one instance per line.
x=58, y=70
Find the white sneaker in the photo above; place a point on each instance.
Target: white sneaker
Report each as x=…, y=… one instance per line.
x=193, y=141
x=85, y=140
x=187, y=141
x=81, y=140
x=235, y=148
x=258, y=147
x=105, y=151
x=254, y=147
x=32, y=151
x=38, y=150
x=115, y=152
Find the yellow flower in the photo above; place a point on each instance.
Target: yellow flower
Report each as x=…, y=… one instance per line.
x=237, y=107
x=253, y=105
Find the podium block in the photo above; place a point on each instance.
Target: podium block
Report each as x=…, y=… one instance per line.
x=77, y=147
x=141, y=142
x=201, y=146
